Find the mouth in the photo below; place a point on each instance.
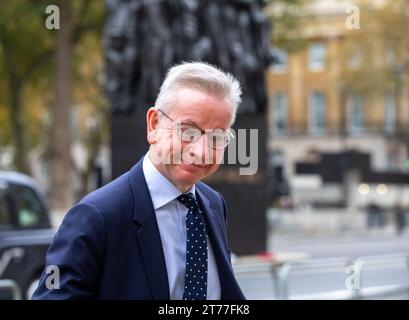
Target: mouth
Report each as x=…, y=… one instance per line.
x=200, y=166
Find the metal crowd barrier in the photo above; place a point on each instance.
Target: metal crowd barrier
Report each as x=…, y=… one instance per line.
x=325, y=264
x=281, y=274
x=12, y=286
x=370, y=261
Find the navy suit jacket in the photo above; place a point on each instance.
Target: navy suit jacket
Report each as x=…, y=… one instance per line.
x=108, y=245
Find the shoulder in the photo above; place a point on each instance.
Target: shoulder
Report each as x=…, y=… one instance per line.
x=116, y=200
x=211, y=193
x=215, y=197
x=112, y=195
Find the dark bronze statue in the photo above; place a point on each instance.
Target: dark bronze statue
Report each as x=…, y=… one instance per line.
x=143, y=38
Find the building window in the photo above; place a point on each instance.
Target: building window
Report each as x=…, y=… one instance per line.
x=355, y=114
x=281, y=60
x=317, y=112
x=316, y=56
x=390, y=115
x=279, y=112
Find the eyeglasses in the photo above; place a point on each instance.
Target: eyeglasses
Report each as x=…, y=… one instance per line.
x=217, y=138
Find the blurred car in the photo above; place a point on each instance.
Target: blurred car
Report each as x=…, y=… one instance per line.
x=25, y=233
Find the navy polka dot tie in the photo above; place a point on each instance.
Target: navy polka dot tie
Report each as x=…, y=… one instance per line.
x=196, y=250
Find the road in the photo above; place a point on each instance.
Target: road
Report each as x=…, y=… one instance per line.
x=261, y=285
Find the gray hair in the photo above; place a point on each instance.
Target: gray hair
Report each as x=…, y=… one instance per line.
x=202, y=76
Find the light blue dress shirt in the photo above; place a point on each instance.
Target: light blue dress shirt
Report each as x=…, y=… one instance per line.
x=171, y=217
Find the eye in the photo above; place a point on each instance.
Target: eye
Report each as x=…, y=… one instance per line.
x=189, y=133
x=222, y=141
x=218, y=138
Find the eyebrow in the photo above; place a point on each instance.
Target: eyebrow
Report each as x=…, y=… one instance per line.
x=191, y=122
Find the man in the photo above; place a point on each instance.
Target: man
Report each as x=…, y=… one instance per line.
x=157, y=232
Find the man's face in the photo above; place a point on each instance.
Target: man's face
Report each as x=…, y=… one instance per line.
x=185, y=163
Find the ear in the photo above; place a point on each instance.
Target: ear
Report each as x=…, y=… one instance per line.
x=152, y=124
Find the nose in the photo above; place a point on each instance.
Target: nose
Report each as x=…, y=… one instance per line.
x=200, y=151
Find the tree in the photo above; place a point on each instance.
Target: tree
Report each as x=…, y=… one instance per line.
x=25, y=49
x=286, y=20
x=27, y=70
x=61, y=195
x=71, y=33
x=93, y=108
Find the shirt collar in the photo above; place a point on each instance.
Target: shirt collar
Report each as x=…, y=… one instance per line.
x=162, y=191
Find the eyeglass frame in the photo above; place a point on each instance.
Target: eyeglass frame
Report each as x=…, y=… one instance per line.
x=228, y=133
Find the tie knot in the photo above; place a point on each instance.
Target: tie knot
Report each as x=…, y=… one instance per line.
x=187, y=199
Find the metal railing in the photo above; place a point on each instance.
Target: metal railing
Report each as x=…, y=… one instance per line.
x=339, y=263
x=380, y=260
x=12, y=286
x=281, y=273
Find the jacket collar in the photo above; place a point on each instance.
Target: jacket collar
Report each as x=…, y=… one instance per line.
x=151, y=245
x=161, y=190
x=148, y=235
x=215, y=233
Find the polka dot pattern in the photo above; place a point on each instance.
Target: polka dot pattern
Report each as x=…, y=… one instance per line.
x=196, y=250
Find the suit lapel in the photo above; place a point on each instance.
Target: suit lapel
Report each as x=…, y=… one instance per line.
x=150, y=243
x=215, y=232
x=148, y=235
